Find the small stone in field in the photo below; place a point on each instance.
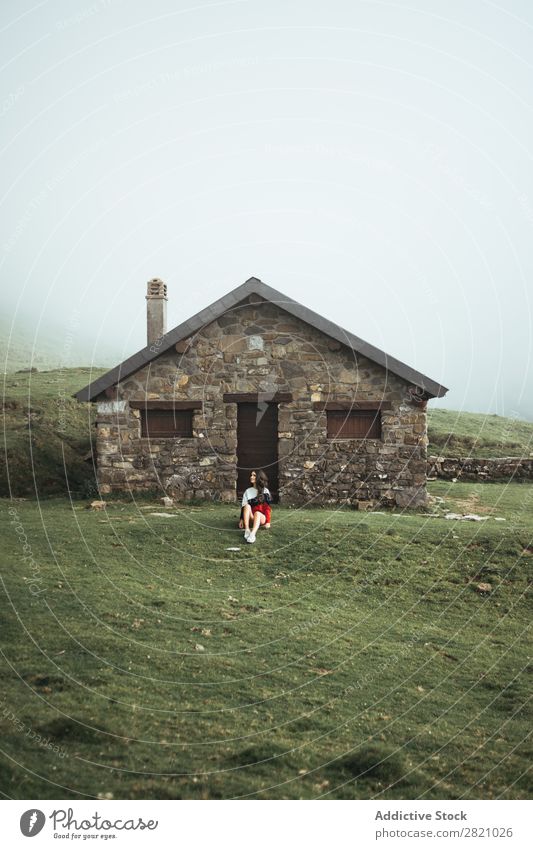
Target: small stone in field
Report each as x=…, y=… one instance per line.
x=484, y=588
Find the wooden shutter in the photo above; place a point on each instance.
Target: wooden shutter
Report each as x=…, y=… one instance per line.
x=354, y=424
x=166, y=423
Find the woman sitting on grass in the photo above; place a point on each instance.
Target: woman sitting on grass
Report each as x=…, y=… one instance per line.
x=256, y=503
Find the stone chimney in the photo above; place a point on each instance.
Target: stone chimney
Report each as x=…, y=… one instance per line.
x=156, y=310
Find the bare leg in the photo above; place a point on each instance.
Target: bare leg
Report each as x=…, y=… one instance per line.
x=246, y=515
x=259, y=519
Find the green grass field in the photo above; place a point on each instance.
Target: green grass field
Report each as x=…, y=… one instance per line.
x=345, y=655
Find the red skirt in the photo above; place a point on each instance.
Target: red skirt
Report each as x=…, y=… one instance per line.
x=264, y=509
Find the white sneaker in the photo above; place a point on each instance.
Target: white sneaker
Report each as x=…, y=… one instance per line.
x=251, y=537
x=246, y=534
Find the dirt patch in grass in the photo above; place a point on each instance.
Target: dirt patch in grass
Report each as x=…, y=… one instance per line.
x=374, y=763
x=473, y=504
x=66, y=729
x=254, y=755
x=45, y=683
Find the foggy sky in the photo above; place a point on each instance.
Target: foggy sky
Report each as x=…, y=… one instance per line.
x=371, y=160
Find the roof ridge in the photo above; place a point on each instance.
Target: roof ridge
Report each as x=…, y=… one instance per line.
x=217, y=308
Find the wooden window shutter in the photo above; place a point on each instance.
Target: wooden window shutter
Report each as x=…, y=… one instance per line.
x=353, y=424
x=166, y=423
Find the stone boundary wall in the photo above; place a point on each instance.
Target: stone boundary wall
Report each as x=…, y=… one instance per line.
x=485, y=469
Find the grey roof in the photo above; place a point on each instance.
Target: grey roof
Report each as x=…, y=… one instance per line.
x=431, y=388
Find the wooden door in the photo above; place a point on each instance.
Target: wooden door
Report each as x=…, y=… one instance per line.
x=257, y=444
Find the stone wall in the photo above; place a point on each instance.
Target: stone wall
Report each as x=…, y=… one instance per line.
x=472, y=469
x=257, y=347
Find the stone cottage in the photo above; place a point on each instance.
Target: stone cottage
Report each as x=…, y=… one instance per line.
x=258, y=381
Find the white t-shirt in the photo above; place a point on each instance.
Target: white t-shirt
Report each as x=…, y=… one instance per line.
x=252, y=493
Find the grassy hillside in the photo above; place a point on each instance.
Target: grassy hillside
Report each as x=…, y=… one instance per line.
x=459, y=434
x=46, y=434
x=344, y=656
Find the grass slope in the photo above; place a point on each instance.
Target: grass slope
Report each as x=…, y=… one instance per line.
x=459, y=434
x=345, y=655
x=46, y=434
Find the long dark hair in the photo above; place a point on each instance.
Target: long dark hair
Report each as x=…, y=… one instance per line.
x=261, y=482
